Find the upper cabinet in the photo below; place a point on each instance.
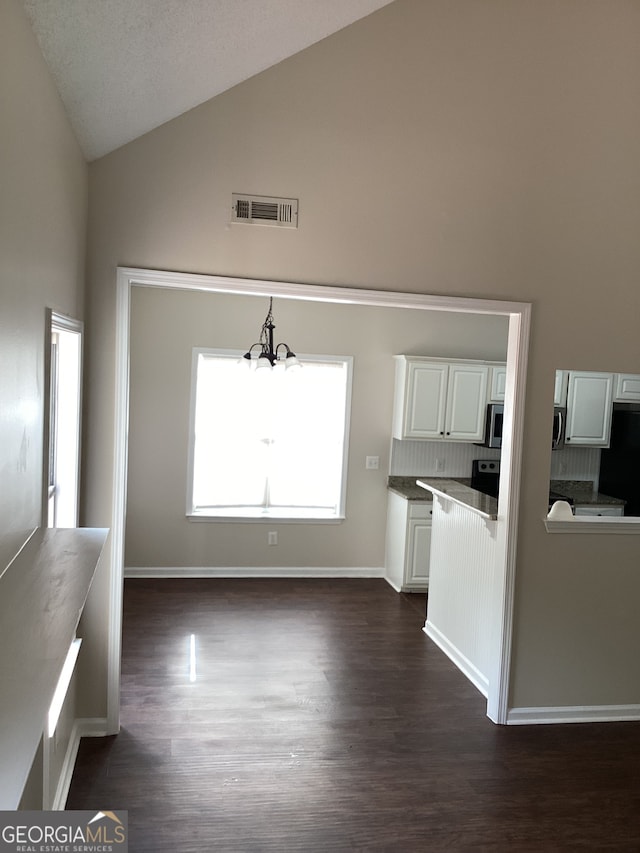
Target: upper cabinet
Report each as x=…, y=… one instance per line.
x=560, y=390
x=497, y=383
x=438, y=400
x=627, y=388
x=589, y=407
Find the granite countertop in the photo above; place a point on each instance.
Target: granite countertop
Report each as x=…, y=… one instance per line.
x=407, y=488
x=460, y=493
x=582, y=493
x=457, y=489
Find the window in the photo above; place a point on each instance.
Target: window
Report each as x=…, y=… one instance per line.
x=63, y=439
x=268, y=443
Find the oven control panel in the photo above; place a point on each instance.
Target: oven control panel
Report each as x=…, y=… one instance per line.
x=487, y=466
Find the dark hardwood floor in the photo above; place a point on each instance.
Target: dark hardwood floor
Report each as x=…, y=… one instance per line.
x=323, y=719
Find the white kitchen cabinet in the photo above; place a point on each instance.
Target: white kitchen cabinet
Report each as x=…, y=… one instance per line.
x=438, y=400
x=498, y=383
x=560, y=390
x=606, y=510
x=627, y=388
x=466, y=408
x=589, y=408
x=408, y=543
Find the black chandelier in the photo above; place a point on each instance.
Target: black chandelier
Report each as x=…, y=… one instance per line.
x=269, y=354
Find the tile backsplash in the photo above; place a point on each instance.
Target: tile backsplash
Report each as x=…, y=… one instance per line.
x=453, y=459
x=576, y=463
x=436, y=458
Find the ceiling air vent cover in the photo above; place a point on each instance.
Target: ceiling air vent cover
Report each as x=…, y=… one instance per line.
x=264, y=210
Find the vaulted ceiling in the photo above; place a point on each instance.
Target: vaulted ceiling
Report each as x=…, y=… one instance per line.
x=124, y=67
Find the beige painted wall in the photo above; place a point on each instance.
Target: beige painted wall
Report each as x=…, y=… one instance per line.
x=43, y=209
x=470, y=148
x=165, y=327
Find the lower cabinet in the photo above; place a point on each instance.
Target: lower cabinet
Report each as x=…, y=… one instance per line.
x=408, y=543
x=606, y=510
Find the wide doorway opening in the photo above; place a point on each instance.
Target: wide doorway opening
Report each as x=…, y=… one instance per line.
x=518, y=315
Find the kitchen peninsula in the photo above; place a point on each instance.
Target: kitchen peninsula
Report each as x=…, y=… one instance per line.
x=461, y=575
x=462, y=494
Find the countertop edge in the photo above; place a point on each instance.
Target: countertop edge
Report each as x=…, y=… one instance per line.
x=463, y=499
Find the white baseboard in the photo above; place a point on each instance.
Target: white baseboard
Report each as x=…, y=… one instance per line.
x=408, y=589
x=573, y=714
x=463, y=663
x=252, y=572
x=82, y=727
x=93, y=726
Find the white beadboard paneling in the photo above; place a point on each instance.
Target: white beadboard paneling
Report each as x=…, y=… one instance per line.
x=463, y=559
x=576, y=463
x=419, y=458
x=464, y=664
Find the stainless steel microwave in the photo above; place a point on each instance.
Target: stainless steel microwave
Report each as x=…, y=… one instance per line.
x=559, y=424
x=495, y=420
x=493, y=426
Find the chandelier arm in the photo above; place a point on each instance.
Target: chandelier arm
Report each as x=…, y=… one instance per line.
x=266, y=340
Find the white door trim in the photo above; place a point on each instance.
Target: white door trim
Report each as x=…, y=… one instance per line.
x=519, y=314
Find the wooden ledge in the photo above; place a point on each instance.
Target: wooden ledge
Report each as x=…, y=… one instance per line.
x=42, y=594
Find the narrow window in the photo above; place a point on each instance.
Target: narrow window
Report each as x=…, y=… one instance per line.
x=268, y=443
x=62, y=465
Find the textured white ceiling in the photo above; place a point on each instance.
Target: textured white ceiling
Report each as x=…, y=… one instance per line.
x=123, y=67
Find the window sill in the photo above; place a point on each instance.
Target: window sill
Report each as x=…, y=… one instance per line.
x=584, y=524
x=283, y=515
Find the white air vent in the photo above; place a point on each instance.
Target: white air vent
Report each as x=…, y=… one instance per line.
x=264, y=210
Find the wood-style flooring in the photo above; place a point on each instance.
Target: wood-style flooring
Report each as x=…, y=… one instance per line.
x=322, y=718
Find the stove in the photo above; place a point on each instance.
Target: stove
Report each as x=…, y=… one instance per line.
x=485, y=478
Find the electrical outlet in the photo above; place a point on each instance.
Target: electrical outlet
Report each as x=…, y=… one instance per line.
x=440, y=465
x=372, y=462
x=272, y=537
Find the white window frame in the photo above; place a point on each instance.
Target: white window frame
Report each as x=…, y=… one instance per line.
x=263, y=514
x=61, y=498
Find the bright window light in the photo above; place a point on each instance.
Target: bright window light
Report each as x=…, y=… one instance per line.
x=269, y=443
x=63, y=685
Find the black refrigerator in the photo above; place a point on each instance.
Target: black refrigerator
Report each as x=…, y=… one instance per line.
x=620, y=463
